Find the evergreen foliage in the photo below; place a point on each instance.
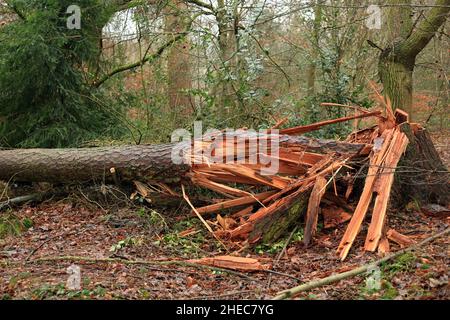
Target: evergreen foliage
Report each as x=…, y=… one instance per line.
x=45, y=96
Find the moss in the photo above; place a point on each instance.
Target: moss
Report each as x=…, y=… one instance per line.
x=389, y=291
x=279, y=224
x=403, y=263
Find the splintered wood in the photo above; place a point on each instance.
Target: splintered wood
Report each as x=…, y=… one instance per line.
x=266, y=183
x=387, y=152
x=232, y=263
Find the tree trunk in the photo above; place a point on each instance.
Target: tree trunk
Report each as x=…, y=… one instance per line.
x=396, y=62
x=178, y=59
x=422, y=177
x=228, y=56
x=145, y=162
x=396, y=75
x=311, y=73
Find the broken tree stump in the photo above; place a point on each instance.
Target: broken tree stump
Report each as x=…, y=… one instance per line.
x=422, y=176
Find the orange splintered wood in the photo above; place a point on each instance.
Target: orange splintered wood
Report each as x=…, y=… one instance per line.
x=217, y=187
x=319, y=169
x=401, y=116
x=312, y=214
x=235, y=202
x=318, y=125
x=400, y=239
x=249, y=173
x=383, y=188
x=280, y=123
x=384, y=246
x=305, y=158
x=232, y=263
x=242, y=213
x=226, y=223
x=225, y=177
x=334, y=216
x=363, y=205
x=290, y=169
x=242, y=231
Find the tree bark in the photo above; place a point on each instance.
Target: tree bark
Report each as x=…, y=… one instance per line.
x=145, y=162
x=148, y=162
x=311, y=73
x=396, y=62
x=178, y=59
x=228, y=47
x=422, y=177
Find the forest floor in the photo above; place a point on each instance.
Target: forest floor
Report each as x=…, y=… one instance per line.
x=80, y=228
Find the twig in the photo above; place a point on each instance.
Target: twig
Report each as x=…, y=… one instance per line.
x=223, y=295
x=374, y=45
x=280, y=255
x=201, y=218
x=337, y=277
x=196, y=212
x=92, y=201
x=332, y=104
x=21, y=199
x=282, y=274
x=52, y=238
x=140, y=262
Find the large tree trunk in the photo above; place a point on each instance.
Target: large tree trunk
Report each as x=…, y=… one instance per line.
x=145, y=162
x=422, y=176
x=178, y=59
x=228, y=47
x=311, y=73
x=396, y=74
x=396, y=63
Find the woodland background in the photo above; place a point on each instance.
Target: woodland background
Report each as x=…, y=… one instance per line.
x=137, y=70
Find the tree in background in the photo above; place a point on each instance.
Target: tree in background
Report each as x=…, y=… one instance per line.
x=407, y=39
x=179, y=74
x=228, y=63
x=45, y=94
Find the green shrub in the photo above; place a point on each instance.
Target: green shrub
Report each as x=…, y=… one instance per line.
x=45, y=94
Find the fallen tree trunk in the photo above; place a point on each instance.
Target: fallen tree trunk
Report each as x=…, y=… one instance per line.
x=128, y=163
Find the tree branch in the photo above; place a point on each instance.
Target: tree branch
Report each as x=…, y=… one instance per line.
x=374, y=45
x=146, y=58
x=426, y=29
x=340, y=276
x=141, y=262
x=202, y=4
x=136, y=64
x=129, y=4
